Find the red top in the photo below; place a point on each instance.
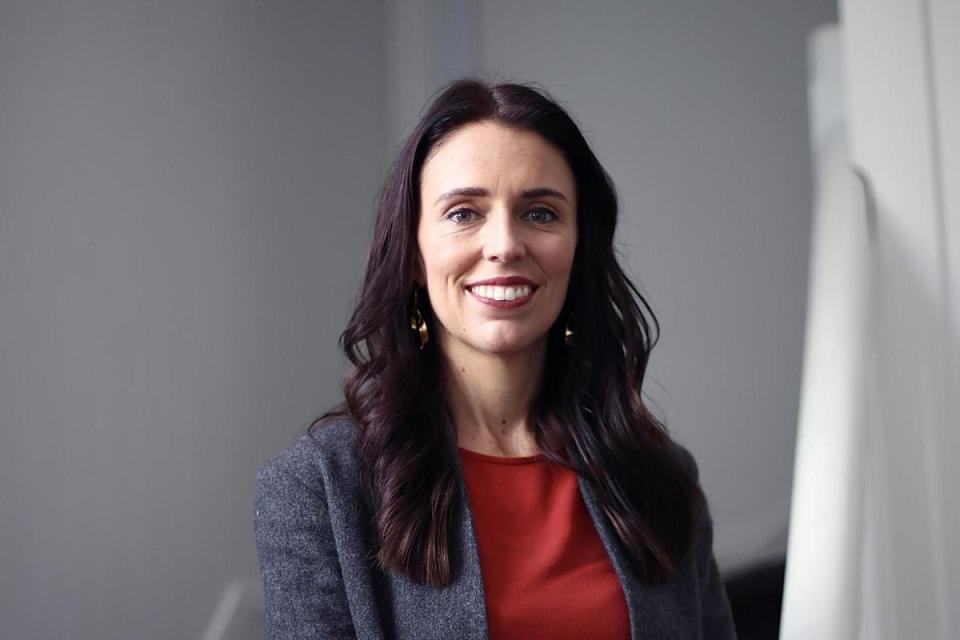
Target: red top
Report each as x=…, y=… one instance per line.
x=545, y=571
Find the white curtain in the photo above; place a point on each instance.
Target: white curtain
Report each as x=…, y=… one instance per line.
x=875, y=516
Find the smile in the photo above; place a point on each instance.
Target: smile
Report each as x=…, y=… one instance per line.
x=502, y=297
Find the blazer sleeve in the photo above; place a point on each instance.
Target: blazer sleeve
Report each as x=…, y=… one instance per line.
x=714, y=605
x=304, y=594
x=716, y=617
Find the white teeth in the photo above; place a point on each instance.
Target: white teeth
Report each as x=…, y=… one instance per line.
x=501, y=293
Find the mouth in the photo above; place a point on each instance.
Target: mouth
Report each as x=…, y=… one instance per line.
x=499, y=292
x=504, y=297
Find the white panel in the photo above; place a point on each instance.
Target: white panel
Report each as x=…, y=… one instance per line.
x=822, y=591
x=943, y=20
x=892, y=88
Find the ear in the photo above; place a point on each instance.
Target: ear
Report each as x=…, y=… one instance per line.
x=419, y=271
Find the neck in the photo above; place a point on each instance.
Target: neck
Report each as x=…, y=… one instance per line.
x=490, y=396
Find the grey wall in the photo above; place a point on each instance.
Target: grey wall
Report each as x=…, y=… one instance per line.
x=185, y=195
x=185, y=192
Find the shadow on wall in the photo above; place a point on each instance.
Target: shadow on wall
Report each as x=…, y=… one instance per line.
x=756, y=596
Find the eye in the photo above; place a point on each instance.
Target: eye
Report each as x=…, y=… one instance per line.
x=461, y=215
x=542, y=215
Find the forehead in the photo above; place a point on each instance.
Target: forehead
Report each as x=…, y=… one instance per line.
x=495, y=157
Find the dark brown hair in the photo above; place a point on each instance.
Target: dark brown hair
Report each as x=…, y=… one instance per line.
x=589, y=414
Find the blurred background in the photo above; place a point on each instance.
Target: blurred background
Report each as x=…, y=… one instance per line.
x=186, y=195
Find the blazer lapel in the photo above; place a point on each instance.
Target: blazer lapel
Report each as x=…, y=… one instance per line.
x=456, y=610
x=649, y=607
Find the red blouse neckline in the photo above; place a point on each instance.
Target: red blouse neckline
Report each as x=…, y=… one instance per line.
x=485, y=457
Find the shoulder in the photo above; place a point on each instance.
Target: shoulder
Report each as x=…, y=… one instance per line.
x=684, y=458
x=301, y=512
x=704, y=522
x=314, y=459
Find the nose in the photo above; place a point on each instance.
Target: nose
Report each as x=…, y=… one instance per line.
x=503, y=239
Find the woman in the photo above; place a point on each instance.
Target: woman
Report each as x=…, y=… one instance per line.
x=494, y=471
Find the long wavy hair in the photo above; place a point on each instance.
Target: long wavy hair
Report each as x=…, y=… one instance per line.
x=589, y=414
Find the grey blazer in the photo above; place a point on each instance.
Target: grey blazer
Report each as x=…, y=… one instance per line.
x=320, y=581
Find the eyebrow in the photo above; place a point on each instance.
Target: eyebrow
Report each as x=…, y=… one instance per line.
x=536, y=192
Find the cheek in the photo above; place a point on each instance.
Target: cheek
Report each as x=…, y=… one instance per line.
x=560, y=260
x=444, y=264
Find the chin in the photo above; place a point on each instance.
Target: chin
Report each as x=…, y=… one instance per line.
x=509, y=344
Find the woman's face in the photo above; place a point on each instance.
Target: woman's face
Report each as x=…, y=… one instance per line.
x=497, y=234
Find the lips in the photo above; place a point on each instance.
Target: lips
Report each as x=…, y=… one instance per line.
x=504, y=281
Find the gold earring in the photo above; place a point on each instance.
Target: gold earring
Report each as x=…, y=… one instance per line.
x=417, y=323
x=568, y=333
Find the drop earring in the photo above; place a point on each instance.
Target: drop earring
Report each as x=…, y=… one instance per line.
x=417, y=323
x=568, y=332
